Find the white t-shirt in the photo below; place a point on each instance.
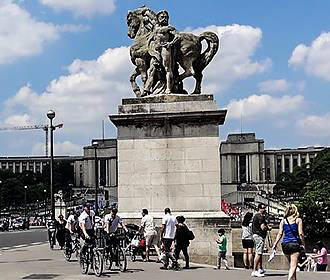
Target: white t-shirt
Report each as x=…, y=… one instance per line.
x=170, y=226
x=70, y=222
x=108, y=220
x=85, y=219
x=147, y=222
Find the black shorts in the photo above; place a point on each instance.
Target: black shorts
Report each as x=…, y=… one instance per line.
x=290, y=248
x=247, y=243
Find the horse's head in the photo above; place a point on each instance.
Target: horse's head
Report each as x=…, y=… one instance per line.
x=133, y=23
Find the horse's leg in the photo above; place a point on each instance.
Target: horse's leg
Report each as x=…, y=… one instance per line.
x=198, y=86
x=188, y=69
x=135, y=87
x=144, y=77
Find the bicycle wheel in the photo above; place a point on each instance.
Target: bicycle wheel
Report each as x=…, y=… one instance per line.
x=122, y=260
x=67, y=253
x=83, y=261
x=107, y=261
x=97, y=263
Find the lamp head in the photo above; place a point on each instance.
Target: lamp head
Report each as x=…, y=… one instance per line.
x=51, y=114
x=25, y=187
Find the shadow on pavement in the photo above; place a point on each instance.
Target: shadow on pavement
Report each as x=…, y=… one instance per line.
x=275, y=274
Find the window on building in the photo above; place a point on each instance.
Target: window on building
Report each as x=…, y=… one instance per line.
x=303, y=159
x=103, y=172
x=3, y=165
x=24, y=166
x=267, y=175
x=279, y=164
x=17, y=167
x=11, y=166
x=38, y=169
x=295, y=161
x=287, y=163
x=242, y=169
x=311, y=158
x=30, y=166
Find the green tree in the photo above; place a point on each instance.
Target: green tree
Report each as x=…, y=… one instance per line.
x=314, y=207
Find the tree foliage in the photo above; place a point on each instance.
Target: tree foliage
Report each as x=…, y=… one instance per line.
x=12, y=192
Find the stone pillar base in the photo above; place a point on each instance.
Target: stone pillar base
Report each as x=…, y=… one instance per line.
x=203, y=249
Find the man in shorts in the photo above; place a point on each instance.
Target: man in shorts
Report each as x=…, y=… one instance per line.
x=148, y=229
x=259, y=230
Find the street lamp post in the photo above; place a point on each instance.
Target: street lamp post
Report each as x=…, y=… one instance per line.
x=51, y=116
x=95, y=144
x=25, y=189
x=45, y=192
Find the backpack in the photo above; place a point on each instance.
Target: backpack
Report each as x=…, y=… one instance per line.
x=190, y=235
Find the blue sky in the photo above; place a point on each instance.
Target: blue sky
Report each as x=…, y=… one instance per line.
x=272, y=69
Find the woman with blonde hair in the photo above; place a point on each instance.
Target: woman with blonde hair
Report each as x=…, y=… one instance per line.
x=293, y=241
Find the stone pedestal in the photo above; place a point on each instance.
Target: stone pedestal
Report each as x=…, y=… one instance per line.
x=168, y=156
x=168, y=153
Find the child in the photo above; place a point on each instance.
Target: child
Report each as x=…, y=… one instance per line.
x=222, y=242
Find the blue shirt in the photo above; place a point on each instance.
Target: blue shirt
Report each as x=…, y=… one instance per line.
x=290, y=237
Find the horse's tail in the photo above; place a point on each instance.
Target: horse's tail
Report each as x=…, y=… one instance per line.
x=212, y=40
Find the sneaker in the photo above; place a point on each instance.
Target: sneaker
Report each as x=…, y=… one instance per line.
x=262, y=271
x=257, y=274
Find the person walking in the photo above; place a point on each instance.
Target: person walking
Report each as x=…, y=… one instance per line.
x=321, y=256
x=167, y=233
x=259, y=230
x=293, y=241
x=182, y=240
x=222, y=242
x=247, y=240
x=148, y=229
x=60, y=231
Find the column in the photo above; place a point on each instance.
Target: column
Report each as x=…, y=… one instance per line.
x=283, y=163
x=299, y=159
x=291, y=163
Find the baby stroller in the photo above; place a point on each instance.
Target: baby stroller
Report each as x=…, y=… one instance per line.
x=136, y=243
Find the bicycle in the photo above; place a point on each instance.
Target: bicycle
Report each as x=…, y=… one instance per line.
x=91, y=256
x=115, y=254
x=74, y=248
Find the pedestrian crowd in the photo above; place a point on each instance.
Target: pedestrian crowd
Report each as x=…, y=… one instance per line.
x=168, y=242
x=255, y=231
x=174, y=237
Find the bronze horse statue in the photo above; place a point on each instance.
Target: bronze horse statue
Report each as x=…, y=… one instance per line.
x=188, y=52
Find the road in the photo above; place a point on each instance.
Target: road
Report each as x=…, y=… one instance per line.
x=39, y=262
x=18, y=238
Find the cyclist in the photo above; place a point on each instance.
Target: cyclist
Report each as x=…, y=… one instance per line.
x=71, y=227
x=111, y=223
x=86, y=225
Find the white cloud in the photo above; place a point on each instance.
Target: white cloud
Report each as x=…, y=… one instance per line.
x=234, y=60
x=314, y=59
x=315, y=126
x=260, y=106
x=21, y=35
x=84, y=8
x=274, y=86
x=64, y=148
x=81, y=99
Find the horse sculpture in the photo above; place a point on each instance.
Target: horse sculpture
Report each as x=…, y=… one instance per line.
x=187, y=53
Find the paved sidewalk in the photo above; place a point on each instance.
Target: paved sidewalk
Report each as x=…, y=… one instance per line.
x=32, y=261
